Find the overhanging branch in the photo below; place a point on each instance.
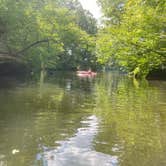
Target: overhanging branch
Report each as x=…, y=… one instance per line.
x=27, y=48
x=35, y=43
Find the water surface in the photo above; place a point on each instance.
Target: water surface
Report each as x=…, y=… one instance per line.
x=62, y=120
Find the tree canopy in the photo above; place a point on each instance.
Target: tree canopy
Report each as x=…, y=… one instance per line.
x=134, y=35
x=49, y=33
x=60, y=34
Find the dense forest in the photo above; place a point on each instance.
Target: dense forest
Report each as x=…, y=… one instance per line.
x=134, y=37
x=50, y=34
x=61, y=35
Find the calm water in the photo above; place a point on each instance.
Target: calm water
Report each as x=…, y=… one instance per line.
x=63, y=120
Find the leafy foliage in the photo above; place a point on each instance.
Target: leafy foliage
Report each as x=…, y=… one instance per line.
x=138, y=40
x=57, y=34
x=47, y=34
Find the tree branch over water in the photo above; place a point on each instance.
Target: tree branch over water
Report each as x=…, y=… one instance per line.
x=9, y=54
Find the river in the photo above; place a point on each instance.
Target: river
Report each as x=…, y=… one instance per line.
x=64, y=120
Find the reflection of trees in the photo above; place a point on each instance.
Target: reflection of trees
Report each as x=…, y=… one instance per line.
x=133, y=122
x=35, y=116
x=38, y=115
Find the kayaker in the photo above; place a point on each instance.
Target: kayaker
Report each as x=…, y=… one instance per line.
x=89, y=71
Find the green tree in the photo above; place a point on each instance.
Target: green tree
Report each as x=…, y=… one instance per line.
x=46, y=34
x=137, y=43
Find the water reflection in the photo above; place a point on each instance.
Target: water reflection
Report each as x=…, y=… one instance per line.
x=78, y=150
x=50, y=121
x=136, y=120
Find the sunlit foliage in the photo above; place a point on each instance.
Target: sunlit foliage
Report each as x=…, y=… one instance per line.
x=137, y=39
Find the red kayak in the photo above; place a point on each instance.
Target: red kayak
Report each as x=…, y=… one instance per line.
x=86, y=73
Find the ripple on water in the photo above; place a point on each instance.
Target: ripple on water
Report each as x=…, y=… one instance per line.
x=78, y=150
